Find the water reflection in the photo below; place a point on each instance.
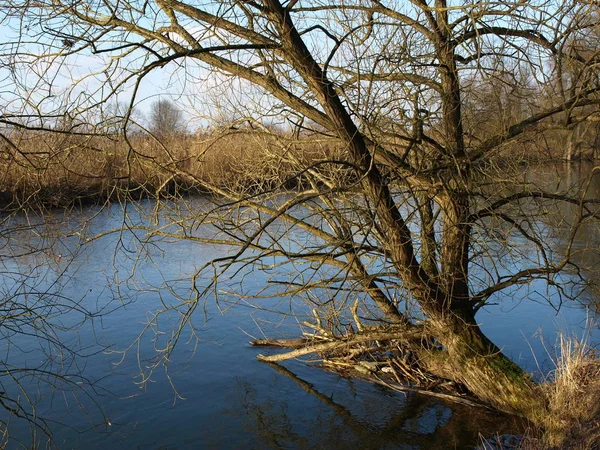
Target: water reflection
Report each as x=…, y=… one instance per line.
x=406, y=422
x=539, y=232
x=584, y=245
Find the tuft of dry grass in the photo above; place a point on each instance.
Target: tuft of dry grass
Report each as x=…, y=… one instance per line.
x=572, y=420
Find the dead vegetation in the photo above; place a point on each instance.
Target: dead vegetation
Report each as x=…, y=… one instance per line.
x=59, y=170
x=393, y=356
x=46, y=169
x=573, y=392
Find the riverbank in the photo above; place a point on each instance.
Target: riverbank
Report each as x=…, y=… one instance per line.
x=573, y=398
x=46, y=170
x=42, y=170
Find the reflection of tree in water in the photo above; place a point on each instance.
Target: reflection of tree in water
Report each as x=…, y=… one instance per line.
x=542, y=231
x=584, y=272
x=46, y=334
x=418, y=423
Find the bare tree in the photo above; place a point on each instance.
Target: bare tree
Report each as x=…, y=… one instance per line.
x=403, y=217
x=166, y=119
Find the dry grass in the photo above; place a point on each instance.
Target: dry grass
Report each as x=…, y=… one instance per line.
x=573, y=417
x=51, y=169
x=56, y=170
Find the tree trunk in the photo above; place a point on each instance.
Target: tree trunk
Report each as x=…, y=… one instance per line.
x=470, y=358
x=467, y=355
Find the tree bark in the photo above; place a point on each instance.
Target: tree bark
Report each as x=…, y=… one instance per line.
x=470, y=358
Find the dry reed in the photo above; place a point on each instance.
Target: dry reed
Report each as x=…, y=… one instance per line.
x=46, y=169
x=572, y=420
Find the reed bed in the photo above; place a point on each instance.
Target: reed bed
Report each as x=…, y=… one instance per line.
x=59, y=170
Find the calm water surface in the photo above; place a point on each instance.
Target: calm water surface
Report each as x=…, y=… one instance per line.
x=215, y=394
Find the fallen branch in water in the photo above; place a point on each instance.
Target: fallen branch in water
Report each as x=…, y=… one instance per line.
x=390, y=357
x=408, y=335
x=451, y=397
x=283, y=343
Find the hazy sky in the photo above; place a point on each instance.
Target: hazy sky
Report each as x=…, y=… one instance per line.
x=40, y=86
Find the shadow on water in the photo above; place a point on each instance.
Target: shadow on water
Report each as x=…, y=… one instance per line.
x=400, y=422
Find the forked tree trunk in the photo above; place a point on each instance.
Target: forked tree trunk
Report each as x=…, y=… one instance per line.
x=469, y=357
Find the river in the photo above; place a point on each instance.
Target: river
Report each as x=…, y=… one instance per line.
x=88, y=313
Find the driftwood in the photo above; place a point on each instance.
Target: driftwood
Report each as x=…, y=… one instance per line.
x=448, y=397
x=283, y=343
x=410, y=334
x=401, y=361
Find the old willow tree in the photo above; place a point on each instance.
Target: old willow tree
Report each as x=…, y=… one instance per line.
x=414, y=208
